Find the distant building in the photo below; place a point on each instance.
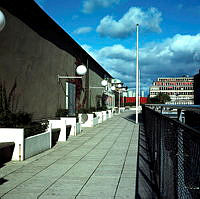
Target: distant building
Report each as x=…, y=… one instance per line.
x=180, y=89
x=131, y=93
x=197, y=88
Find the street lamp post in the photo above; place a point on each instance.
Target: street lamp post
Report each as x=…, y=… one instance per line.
x=80, y=70
x=104, y=84
x=137, y=74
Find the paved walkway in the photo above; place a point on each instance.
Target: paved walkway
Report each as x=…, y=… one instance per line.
x=100, y=163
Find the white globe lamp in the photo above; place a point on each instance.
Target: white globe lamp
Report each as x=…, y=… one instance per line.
x=81, y=70
x=119, y=85
x=113, y=88
x=2, y=20
x=104, y=82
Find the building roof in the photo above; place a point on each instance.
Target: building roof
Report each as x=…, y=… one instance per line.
x=33, y=16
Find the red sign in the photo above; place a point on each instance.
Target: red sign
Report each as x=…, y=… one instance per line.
x=143, y=100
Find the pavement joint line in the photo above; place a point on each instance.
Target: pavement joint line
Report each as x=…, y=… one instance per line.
x=76, y=164
x=93, y=136
x=45, y=167
x=124, y=163
x=101, y=162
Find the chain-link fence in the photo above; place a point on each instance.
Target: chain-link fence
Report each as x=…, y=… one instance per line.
x=175, y=155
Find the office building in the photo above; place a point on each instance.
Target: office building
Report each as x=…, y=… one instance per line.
x=179, y=89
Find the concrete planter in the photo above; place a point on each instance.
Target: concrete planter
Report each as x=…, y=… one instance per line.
x=105, y=115
x=54, y=124
x=87, y=120
x=109, y=113
x=99, y=116
x=15, y=135
x=62, y=123
x=75, y=127
x=122, y=109
x=25, y=148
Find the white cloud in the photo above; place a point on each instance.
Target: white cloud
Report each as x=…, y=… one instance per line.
x=83, y=30
x=90, y=5
x=174, y=56
x=124, y=27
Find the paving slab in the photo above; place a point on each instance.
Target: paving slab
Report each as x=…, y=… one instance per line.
x=98, y=163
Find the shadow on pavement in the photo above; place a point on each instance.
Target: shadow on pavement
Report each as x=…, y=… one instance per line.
x=6, y=152
x=3, y=180
x=132, y=117
x=145, y=186
x=56, y=134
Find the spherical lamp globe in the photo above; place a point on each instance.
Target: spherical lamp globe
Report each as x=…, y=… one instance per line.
x=113, y=88
x=104, y=82
x=81, y=70
x=119, y=86
x=2, y=20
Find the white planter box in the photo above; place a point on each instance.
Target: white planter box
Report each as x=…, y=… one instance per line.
x=109, y=113
x=99, y=117
x=78, y=128
x=122, y=109
x=75, y=127
x=62, y=123
x=54, y=124
x=105, y=115
x=37, y=144
x=95, y=121
x=25, y=148
x=15, y=135
x=90, y=122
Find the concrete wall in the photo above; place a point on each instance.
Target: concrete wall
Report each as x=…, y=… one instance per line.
x=37, y=144
x=34, y=50
x=34, y=62
x=16, y=136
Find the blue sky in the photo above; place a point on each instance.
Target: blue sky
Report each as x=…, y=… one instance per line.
x=169, y=35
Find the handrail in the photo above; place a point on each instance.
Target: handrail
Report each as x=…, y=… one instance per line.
x=174, y=149
x=182, y=107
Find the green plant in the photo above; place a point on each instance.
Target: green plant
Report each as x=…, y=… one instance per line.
x=35, y=128
x=161, y=98
x=92, y=109
x=61, y=112
x=7, y=100
x=23, y=118
x=8, y=116
x=83, y=110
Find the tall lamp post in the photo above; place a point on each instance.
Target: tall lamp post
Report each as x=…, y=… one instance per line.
x=137, y=74
x=104, y=84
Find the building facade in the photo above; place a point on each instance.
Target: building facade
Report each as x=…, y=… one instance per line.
x=179, y=89
x=34, y=50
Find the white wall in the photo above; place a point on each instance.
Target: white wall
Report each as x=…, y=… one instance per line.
x=15, y=135
x=54, y=124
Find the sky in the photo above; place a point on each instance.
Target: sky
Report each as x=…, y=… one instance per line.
x=169, y=35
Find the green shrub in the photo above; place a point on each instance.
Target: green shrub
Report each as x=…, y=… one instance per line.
x=35, y=128
x=61, y=112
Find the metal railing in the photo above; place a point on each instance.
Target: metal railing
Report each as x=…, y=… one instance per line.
x=175, y=155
